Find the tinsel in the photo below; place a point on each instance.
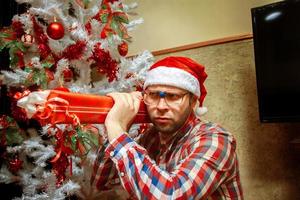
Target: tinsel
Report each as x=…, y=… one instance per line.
x=74, y=51
x=60, y=162
x=59, y=168
x=40, y=36
x=42, y=40
x=18, y=29
x=20, y=57
x=104, y=63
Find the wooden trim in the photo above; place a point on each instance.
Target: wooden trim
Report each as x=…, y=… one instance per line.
x=203, y=44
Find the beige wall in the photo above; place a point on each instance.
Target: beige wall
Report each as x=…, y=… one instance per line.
x=172, y=23
x=269, y=165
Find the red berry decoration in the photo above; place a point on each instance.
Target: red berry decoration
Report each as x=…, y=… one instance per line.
x=123, y=49
x=67, y=74
x=15, y=165
x=56, y=30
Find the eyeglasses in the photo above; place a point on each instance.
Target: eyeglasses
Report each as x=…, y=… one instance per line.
x=171, y=99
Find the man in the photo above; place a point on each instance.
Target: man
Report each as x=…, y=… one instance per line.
x=180, y=156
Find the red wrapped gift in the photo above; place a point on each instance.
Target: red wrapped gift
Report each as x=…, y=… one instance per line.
x=54, y=106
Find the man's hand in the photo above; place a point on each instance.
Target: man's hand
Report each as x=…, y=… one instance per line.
x=122, y=114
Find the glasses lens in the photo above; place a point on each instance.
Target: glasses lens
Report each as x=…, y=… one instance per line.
x=174, y=99
x=151, y=97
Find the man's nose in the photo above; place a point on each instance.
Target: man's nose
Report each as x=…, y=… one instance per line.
x=162, y=104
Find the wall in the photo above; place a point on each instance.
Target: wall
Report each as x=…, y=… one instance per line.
x=173, y=23
x=268, y=162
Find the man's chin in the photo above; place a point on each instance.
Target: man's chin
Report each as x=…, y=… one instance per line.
x=165, y=129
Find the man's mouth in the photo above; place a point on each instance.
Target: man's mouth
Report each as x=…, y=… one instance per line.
x=162, y=120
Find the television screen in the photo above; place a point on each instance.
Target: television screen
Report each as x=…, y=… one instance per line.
x=276, y=36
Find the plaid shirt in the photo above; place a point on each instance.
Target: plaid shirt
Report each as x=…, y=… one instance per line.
x=200, y=162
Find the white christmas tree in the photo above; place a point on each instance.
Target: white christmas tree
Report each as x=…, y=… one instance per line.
x=78, y=45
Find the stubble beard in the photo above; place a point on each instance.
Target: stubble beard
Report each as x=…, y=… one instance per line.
x=167, y=129
x=173, y=126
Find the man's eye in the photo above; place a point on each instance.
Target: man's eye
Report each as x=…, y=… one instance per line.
x=172, y=96
x=153, y=94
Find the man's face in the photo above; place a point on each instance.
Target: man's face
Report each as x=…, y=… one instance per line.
x=168, y=117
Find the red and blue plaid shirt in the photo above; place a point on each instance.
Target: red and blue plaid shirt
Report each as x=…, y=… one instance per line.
x=200, y=162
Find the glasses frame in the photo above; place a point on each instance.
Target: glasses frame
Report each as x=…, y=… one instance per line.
x=163, y=94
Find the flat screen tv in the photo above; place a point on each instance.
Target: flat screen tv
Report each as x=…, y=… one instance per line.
x=276, y=36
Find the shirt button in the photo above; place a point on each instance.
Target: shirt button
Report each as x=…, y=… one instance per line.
x=111, y=153
x=122, y=174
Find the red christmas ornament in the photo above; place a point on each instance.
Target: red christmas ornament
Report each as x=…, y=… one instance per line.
x=123, y=49
x=67, y=74
x=55, y=30
x=27, y=39
x=15, y=165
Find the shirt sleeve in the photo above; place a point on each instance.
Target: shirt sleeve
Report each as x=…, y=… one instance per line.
x=210, y=157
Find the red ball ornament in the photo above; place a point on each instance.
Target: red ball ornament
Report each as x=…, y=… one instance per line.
x=55, y=30
x=27, y=40
x=123, y=49
x=68, y=75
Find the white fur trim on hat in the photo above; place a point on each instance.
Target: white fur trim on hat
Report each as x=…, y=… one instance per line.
x=199, y=111
x=173, y=77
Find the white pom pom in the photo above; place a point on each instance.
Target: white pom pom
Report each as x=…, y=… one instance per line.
x=199, y=111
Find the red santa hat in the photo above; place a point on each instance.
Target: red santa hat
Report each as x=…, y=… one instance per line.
x=180, y=72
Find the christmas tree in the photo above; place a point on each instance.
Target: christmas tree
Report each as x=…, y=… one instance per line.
x=73, y=45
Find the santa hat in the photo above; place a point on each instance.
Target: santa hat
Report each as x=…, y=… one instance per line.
x=180, y=72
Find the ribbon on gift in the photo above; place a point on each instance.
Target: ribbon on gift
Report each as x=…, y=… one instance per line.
x=61, y=107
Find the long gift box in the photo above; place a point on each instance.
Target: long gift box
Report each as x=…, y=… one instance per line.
x=55, y=106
